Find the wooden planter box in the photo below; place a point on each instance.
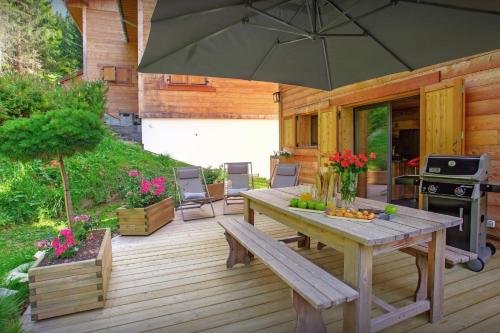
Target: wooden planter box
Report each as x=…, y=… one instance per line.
x=145, y=221
x=62, y=289
x=216, y=191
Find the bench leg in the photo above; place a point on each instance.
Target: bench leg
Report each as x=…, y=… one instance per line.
x=304, y=243
x=309, y=319
x=237, y=253
x=422, y=267
x=320, y=246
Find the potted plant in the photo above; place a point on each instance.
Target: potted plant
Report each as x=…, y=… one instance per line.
x=215, y=182
x=73, y=272
x=349, y=166
x=284, y=156
x=148, y=206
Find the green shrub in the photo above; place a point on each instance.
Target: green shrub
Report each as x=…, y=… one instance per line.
x=213, y=175
x=30, y=191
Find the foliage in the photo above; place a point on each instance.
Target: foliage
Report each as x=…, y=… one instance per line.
x=283, y=153
x=378, y=132
x=142, y=192
x=32, y=191
x=213, y=175
x=34, y=39
x=9, y=314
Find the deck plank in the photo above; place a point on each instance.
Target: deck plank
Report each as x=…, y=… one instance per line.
x=175, y=280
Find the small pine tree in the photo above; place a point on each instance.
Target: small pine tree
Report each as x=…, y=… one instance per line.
x=65, y=122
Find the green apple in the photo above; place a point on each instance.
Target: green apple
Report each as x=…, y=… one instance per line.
x=320, y=206
x=302, y=204
x=311, y=205
x=390, y=209
x=294, y=202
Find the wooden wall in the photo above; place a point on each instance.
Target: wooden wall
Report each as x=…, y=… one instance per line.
x=226, y=98
x=481, y=75
x=105, y=45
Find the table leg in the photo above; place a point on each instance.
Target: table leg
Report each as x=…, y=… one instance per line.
x=435, y=277
x=358, y=262
x=248, y=213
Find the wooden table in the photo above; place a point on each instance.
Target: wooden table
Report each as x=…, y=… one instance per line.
x=360, y=242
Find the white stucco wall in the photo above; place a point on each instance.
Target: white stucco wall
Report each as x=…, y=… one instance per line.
x=211, y=142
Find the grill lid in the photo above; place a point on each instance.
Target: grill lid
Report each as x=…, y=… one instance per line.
x=473, y=168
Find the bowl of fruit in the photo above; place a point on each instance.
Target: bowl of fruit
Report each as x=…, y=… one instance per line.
x=351, y=214
x=312, y=206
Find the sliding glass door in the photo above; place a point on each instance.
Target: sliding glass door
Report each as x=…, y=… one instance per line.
x=372, y=133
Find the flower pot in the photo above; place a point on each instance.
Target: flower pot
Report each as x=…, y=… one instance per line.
x=61, y=289
x=145, y=221
x=216, y=191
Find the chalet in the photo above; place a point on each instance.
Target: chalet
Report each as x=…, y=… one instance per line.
x=451, y=108
x=200, y=120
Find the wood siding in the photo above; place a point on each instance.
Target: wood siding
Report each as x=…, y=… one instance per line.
x=481, y=76
x=106, y=46
x=226, y=98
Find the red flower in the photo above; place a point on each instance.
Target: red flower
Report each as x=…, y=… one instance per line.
x=348, y=152
x=344, y=163
x=373, y=156
x=363, y=157
x=359, y=164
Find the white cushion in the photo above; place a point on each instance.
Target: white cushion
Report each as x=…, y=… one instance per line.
x=194, y=195
x=236, y=191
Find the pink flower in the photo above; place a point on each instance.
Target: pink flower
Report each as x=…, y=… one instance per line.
x=159, y=190
x=158, y=182
x=60, y=250
x=133, y=173
x=145, y=186
x=373, y=156
x=55, y=242
x=66, y=232
x=42, y=244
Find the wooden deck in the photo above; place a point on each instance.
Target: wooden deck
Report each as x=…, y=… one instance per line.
x=176, y=281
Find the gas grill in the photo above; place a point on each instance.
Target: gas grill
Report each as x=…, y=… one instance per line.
x=458, y=186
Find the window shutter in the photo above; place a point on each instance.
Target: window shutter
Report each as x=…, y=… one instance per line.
x=109, y=73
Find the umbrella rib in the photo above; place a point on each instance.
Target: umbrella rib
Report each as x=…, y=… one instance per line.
x=268, y=53
x=208, y=36
x=337, y=25
x=354, y=20
x=442, y=5
x=200, y=12
x=276, y=19
x=293, y=41
x=276, y=29
x=325, y=52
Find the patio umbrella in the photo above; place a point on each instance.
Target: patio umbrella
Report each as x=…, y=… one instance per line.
x=315, y=43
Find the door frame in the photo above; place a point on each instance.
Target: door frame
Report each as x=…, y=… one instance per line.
x=387, y=104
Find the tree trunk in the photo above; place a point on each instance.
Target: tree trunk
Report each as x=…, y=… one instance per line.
x=67, y=192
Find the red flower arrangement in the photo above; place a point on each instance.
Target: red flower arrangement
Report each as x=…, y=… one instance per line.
x=349, y=162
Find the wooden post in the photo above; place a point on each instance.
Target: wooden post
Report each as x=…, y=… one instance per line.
x=304, y=242
x=422, y=267
x=309, y=319
x=358, y=262
x=435, y=279
x=238, y=254
x=248, y=212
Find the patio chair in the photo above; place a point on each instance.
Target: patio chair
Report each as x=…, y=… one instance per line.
x=285, y=175
x=238, y=178
x=191, y=189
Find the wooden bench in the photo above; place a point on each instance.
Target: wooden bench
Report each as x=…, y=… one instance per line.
x=453, y=256
x=313, y=289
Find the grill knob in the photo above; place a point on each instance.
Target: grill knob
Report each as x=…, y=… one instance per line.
x=459, y=191
x=432, y=188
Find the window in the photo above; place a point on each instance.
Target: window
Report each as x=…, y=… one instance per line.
x=307, y=130
x=117, y=74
